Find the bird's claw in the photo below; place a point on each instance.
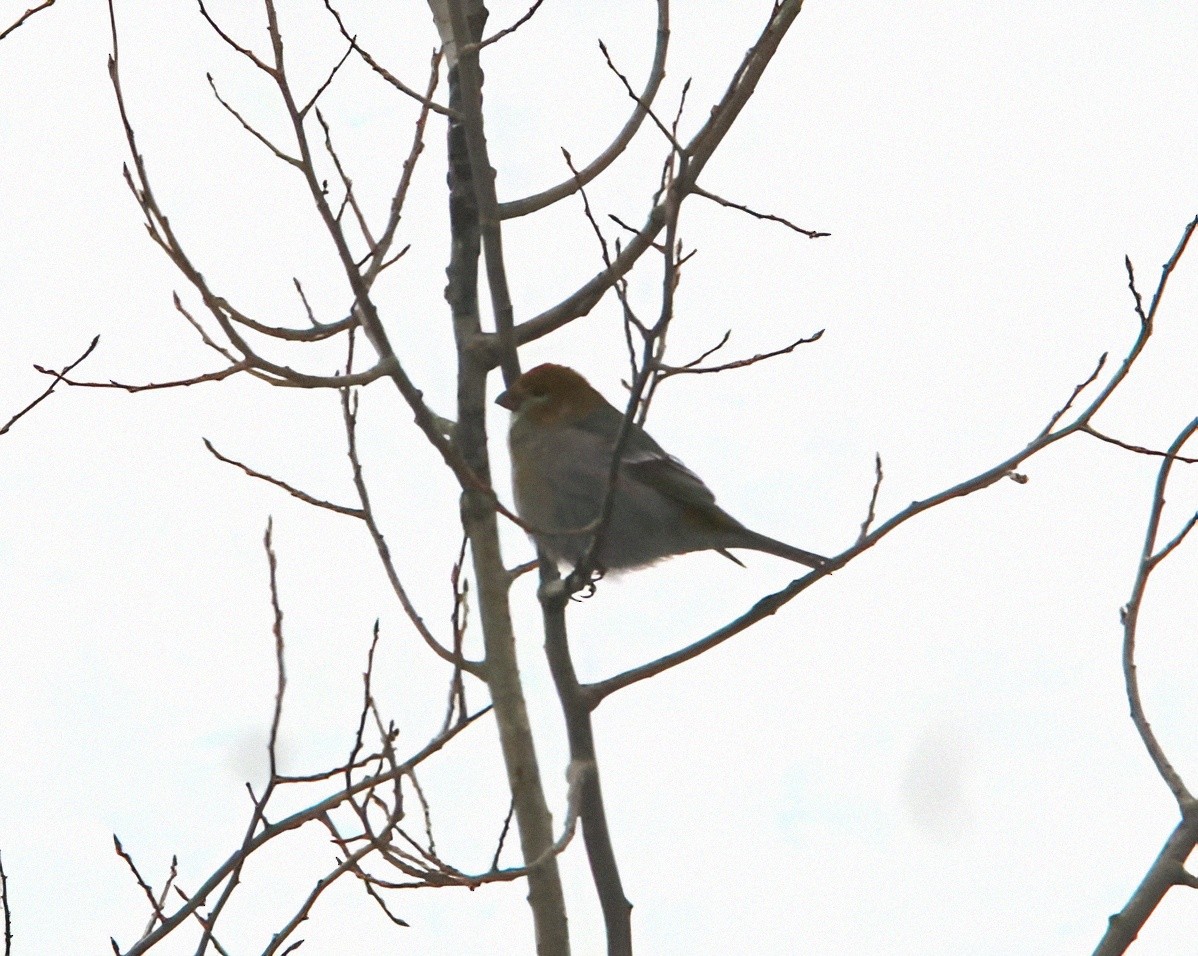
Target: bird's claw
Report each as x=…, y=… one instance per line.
x=581, y=590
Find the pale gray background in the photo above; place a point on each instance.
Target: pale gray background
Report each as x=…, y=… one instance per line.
x=928, y=753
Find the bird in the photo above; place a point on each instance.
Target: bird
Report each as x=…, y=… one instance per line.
x=562, y=437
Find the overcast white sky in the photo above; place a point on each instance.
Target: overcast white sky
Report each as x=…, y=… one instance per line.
x=927, y=753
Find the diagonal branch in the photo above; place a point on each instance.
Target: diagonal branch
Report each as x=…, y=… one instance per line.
x=698, y=152
x=279, y=483
x=506, y=31
x=1138, y=449
x=426, y=101
x=696, y=368
x=20, y=20
x=772, y=603
x=58, y=377
x=657, y=72
x=245, y=124
x=765, y=216
x=231, y=43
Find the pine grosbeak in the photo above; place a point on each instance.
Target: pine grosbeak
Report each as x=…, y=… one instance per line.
x=562, y=437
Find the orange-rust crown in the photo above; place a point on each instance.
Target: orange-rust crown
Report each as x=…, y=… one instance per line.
x=567, y=392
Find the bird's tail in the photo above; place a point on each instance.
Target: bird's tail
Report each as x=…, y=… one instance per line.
x=761, y=542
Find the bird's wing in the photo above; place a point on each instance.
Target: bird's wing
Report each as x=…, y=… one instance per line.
x=645, y=461
x=668, y=475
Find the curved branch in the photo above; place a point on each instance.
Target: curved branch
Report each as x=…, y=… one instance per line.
x=657, y=72
x=1149, y=559
x=1168, y=869
x=697, y=154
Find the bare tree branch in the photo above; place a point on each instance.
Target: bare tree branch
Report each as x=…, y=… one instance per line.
x=320, y=90
x=1149, y=559
x=698, y=151
x=1138, y=449
x=274, y=830
x=1081, y=387
x=1168, y=869
x=290, y=489
x=58, y=377
x=366, y=512
x=771, y=604
x=155, y=905
x=245, y=124
x=641, y=104
x=768, y=217
x=20, y=20
x=233, y=44
x=425, y=101
x=657, y=72
x=4, y=904
x=694, y=367
x=871, y=512
x=506, y=31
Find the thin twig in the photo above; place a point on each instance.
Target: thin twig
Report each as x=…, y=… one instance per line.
x=279, y=483
x=277, y=630
x=217, y=376
x=4, y=904
x=245, y=124
x=328, y=81
x=621, y=285
x=665, y=130
x=459, y=618
x=768, y=217
x=367, y=703
x=871, y=513
x=349, y=410
x=1138, y=449
x=657, y=72
x=244, y=51
x=1131, y=284
x=347, y=184
x=1081, y=387
x=426, y=101
x=349, y=864
x=58, y=377
x=507, y=825
x=379, y=251
x=506, y=31
x=162, y=897
x=1177, y=539
x=693, y=368
x=155, y=908
x=21, y=19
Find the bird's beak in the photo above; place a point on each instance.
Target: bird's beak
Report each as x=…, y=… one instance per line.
x=508, y=400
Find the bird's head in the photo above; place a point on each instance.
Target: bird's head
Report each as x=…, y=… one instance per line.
x=551, y=395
